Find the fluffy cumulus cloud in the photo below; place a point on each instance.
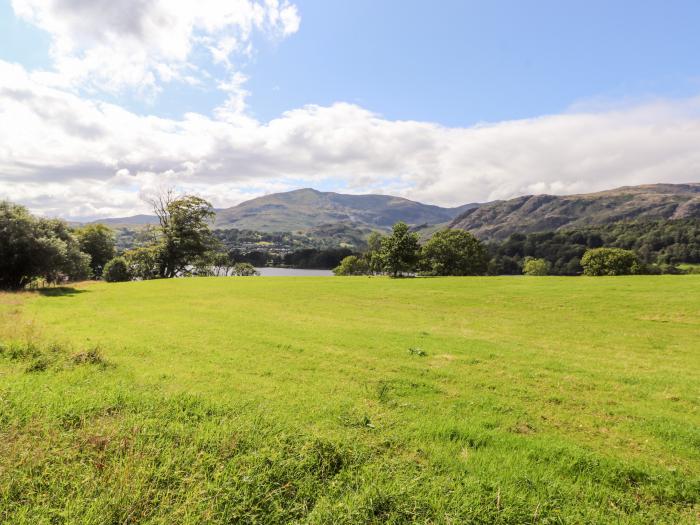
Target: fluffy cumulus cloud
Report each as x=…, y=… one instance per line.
x=108, y=45
x=63, y=154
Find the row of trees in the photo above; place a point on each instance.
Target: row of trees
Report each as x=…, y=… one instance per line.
x=448, y=252
x=34, y=250
x=659, y=245
x=457, y=252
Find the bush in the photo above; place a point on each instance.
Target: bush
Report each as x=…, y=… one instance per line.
x=609, y=261
x=534, y=266
x=142, y=262
x=116, y=270
x=244, y=270
x=352, y=265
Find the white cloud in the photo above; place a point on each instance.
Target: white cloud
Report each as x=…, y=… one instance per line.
x=63, y=154
x=141, y=44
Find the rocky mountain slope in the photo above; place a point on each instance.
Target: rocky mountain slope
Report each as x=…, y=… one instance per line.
x=533, y=213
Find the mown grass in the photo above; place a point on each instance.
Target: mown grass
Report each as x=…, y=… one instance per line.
x=352, y=400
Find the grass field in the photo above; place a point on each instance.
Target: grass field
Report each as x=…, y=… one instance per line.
x=352, y=400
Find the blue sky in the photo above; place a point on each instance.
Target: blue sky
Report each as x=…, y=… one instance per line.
x=452, y=62
x=473, y=77
x=460, y=62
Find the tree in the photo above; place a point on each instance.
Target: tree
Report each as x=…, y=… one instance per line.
x=143, y=262
x=212, y=264
x=373, y=253
x=352, y=265
x=244, y=270
x=185, y=232
x=533, y=266
x=400, y=250
x=454, y=252
x=609, y=261
x=116, y=270
x=32, y=248
x=221, y=263
x=97, y=240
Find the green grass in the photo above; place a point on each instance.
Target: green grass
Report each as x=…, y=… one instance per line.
x=352, y=400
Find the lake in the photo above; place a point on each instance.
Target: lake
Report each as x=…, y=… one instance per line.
x=293, y=272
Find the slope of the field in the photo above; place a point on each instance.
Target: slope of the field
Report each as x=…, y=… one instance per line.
x=352, y=400
x=536, y=213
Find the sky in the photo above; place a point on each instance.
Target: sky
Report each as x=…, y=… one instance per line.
x=103, y=103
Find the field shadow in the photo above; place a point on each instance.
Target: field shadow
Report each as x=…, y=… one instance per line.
x=60, y=291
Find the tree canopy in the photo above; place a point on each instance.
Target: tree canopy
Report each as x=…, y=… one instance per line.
x=352, y=265
x=400, y=251
x=609, y=261
x=185, y=233
x=454, y=252
x=97, y=240
x=33, y=248
x=535, y=267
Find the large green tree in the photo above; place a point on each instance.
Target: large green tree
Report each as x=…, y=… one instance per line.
x=400, y=251
x=33, y=248
x=185, y=232
x=454, y=252
x=97, y=240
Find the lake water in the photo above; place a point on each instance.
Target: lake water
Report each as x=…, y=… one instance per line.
x=293, y=272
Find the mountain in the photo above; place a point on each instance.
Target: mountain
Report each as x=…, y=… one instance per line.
x=534, y=213
x=308, y=208
x=126, y=222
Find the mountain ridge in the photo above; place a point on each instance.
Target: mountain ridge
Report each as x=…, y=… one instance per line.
x=308, y=208
x=535, y=213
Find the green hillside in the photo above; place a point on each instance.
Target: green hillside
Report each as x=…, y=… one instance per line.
x=352, y=400
x=538, y=213
x=308, y=208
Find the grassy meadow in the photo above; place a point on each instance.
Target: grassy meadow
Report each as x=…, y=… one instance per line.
x=352, y=400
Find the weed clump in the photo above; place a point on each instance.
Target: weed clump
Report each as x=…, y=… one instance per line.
x=40, y=364
x=91, y=357
x=19, y=351
x=415, y=351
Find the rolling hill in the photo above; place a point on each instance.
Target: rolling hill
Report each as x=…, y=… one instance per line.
x=534, y=213
x=307, y=208
x=310, y=210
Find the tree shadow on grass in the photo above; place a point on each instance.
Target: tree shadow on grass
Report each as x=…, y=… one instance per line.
x=60, y=291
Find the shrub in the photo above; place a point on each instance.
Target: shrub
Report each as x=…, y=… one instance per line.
x=90, y=357
x=534, y=266
x=116, y=270
x=352, y=265
x=609, y=261
x=244, y=270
